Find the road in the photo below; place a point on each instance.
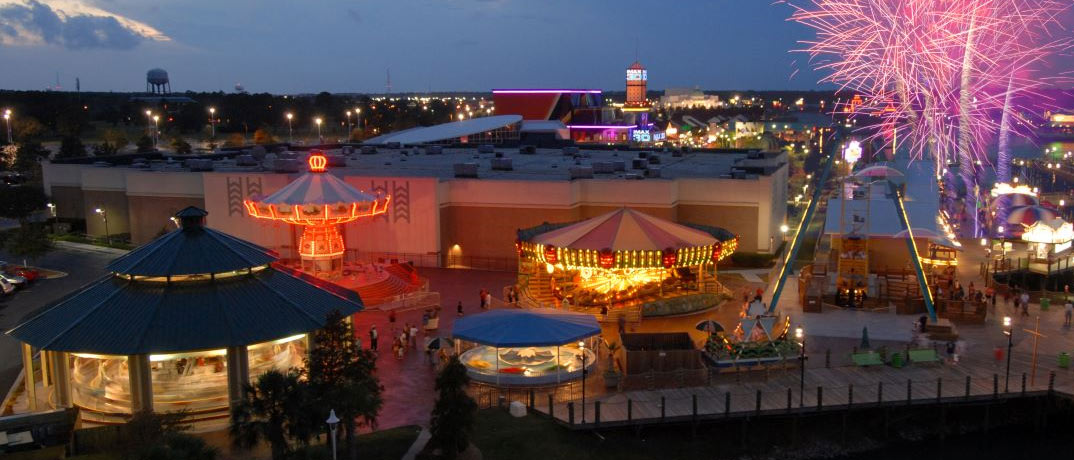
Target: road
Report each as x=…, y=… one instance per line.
x=82, y=266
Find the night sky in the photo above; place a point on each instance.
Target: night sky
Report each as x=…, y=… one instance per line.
x=439, y=45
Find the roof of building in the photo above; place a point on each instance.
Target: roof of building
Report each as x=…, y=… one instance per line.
x=625, y=230
x=447, y=131
x=315, y=188
x=120, y=314
x=525, y=328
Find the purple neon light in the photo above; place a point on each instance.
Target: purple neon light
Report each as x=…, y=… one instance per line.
x=602, y=126
x=544, y=91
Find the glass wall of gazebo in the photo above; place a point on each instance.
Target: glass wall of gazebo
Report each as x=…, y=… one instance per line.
x=530, y=347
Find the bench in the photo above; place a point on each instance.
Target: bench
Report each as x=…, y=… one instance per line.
x=866, y=359
x=923, y=355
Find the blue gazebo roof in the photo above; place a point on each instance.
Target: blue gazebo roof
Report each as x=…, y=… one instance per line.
x=525, y=328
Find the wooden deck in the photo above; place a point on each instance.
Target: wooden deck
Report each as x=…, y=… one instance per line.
x=825, y=389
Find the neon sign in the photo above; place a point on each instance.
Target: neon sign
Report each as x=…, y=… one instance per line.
x=317, y=161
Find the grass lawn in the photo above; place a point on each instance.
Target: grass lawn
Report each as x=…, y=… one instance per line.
x=500, y=436
x=388, y=444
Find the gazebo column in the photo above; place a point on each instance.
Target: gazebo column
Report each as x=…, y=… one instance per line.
x=141, y=383
x=28, y=374
x=238, y=373
x=59, y=362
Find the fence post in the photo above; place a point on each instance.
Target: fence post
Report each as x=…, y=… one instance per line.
x=820, y=397
x=663, y=406
x=532, y=399
x=727, y=404
x=939, y=388
x=1051, y=381
x=828, y=358
x=967, y=387
x=879, y=393
x=1023, y=384
x=630, y=410
x=694, y=397
x=995, y=386
x=596, y=413
x=757, y=409
x=551, y=415
x=909, y=391
x=788, y=399
x=850, y=396
x=570, y=413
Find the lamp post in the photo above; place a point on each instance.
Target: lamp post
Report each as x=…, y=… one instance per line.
x=156, y=130
x=290, y=137
x=348, y=124
x=799, y=334
x=358, y=117
x=7, y=119
x=52, y=211
x=320, y=138
x=1009, y=332
x=783, y=229
x=212, y=121
x=148, y=118
x=581, y=346
x=104, y=217
x=333, y=421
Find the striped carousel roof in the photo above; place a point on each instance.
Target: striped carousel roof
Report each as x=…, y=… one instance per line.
x=625, y=230
x=317, y=188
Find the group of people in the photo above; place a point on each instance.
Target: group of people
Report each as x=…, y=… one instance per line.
x=486, y=299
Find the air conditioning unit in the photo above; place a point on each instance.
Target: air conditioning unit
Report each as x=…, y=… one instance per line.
x=502, y=164
x=465, y=169
x=580, y=172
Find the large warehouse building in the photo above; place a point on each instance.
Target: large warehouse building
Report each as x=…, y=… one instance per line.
x=448, y=205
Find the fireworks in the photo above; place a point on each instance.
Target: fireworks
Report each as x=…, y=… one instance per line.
x=951, y=73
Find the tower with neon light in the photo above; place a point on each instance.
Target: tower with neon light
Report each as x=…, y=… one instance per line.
x=319, y=202
x=636, y=108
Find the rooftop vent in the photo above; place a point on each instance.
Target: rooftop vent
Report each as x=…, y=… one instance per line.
x=198, y=164
x=245, y=160
x=465, y=169
x=528, y=149
x=485, y=148
x=434, y=150
x=286, y=165
x=336, y=160
x=570, y=150
x=502, y=164
x=603, y=167
x=652, y=172
x=620, y=165
x=639, y=163
x=369, y=149
x=580, y=172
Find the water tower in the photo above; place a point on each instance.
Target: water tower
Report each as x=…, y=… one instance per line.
x=156, y=81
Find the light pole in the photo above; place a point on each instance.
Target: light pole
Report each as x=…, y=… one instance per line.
x=784, y=229
x=581, y=346
x=333, y=421
x=290, y=137
x=148, y=118
x=7, y=119
x=52, y=211
x=104, y=217
x=348, y=124
x=799, y=334
x=358, y=116
x=1009, y=332
x=320, y=138
x=156, y=130
x=212, y=121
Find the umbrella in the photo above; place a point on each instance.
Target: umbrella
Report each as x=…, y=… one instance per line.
x=865, y=338
x=709, y=326
x=879, y=171
x=1028, y=215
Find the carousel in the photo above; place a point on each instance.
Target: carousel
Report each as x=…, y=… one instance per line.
x=178, y=324
x=621, y=259
x=526, y=347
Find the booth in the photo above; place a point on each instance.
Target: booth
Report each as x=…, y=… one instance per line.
x=526, y=347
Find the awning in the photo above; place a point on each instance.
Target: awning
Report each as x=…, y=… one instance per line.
x=525, y=328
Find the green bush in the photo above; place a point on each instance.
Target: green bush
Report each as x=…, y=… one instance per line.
x=752, y=259
x=680, y=305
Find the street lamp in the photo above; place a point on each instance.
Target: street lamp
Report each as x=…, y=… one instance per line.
x=290, y=139
x=784, y=229
x=1009, y=332
x=156, y=130
x=348, y=123
x=104, y=217
x=51, y=210
x=212, y=121
x=7, y=119
x=581, y=346
x=318, y=121
x=799, y=335
x=333, y=421
x=358, y=116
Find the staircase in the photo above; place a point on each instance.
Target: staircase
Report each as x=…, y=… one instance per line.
x=402, y=279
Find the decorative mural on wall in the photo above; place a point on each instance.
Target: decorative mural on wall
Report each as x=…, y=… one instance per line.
x=400, y=192
x=236, y=193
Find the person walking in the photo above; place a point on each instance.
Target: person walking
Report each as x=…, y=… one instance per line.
x=391, y=320
x=1068, y=311
x=373, y=337
x=459, y=309
x=413, y=336
x=481, y=298
x=1025, y=303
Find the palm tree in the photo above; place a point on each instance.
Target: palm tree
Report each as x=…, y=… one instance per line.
x=453, y=415
x=275, y=409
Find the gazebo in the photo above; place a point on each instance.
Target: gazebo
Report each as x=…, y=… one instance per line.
x=1048, y=238
x=178, y=324
x=619, y=257
x=526, y=347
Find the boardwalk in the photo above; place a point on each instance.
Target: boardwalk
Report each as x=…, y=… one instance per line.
x=780, y=393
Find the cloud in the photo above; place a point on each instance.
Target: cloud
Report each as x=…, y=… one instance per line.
x=70, y=24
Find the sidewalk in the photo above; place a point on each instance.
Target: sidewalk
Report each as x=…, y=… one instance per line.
x=90, y=248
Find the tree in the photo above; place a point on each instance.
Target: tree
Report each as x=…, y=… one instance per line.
x=159, y=436
x=27, y=129
x=28, y=157
x=235, y=140
x=263, y=136
x=104, y=149
x=181, y=146
x=274, y=408
x=145, y=144
x=115, y=138
x=343, y=378
x=30, y=240
x=453, y=415
x=71, y=147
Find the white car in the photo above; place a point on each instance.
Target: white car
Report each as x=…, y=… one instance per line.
x=6, y=287
x=15, y=281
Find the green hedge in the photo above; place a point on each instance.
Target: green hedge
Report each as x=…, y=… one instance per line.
x=752, y=259
x=680, y=305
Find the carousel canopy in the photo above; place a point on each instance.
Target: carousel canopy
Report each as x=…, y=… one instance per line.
x=625, y=230
x=194, y=249
x=525, y=328
x=317, y=188
x=1053, y=231
x=117, y=315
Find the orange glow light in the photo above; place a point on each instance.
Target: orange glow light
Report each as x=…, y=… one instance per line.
x=317, y=162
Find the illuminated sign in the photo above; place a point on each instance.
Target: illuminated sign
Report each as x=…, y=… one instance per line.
x=658, y=136
x=1003, y=188
x=317, y=162
x=637, y=75
x=641, y=135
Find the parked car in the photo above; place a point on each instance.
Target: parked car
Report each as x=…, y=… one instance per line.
x=15, y=280
x=6, y=287
x=30, y=274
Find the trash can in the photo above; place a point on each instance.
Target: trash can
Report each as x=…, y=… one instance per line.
x=897, y=360
x=1045, y=302
x=1064, y=360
